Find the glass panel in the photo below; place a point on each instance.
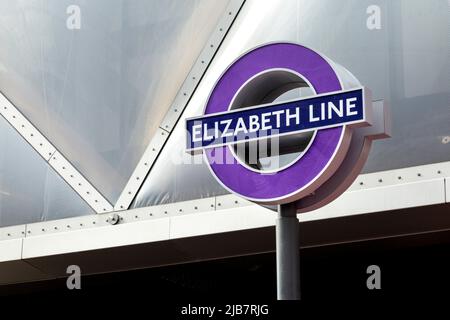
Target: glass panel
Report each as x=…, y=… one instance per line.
x=30, y=191
x=399, y=49
x=99, y=92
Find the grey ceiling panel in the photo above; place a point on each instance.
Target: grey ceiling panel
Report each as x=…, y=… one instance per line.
x=30, y=191
x=100, y=91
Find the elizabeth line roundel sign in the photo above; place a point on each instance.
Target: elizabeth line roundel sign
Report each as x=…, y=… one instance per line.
x=336, y=121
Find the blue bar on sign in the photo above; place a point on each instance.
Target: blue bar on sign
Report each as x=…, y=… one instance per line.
x=307, y=114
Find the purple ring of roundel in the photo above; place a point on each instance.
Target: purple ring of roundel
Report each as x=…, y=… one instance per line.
x=322, y=77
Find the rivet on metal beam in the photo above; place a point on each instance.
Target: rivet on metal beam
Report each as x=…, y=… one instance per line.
x=113, y=219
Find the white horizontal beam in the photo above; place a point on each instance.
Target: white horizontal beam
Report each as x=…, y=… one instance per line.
x=401, y=176
x=139, y=227
x=231, y=201
x=11, y=250
x=380, y=199
x=96, y=238
x=382, y=191
x=12, y=267
x=13, y=232
x=228, y=220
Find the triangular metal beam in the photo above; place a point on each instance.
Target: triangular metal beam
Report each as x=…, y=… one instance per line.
x=74, y=178
x=53, y=157
x=178, y=105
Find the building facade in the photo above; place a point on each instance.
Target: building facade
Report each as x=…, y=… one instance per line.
x=94, y=97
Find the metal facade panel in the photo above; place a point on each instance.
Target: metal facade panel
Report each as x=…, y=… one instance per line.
x=98, y=90
x=420, y=120
x=79, y=183
x=226, y=220
x=96, y=238
x=380, y=199
x=30, y=190
x=25, y=128
x=178, y=105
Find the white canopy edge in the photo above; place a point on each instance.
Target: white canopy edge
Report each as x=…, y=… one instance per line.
x=41, y=250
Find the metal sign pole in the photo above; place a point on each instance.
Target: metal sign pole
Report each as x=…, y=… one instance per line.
x=287, y=251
